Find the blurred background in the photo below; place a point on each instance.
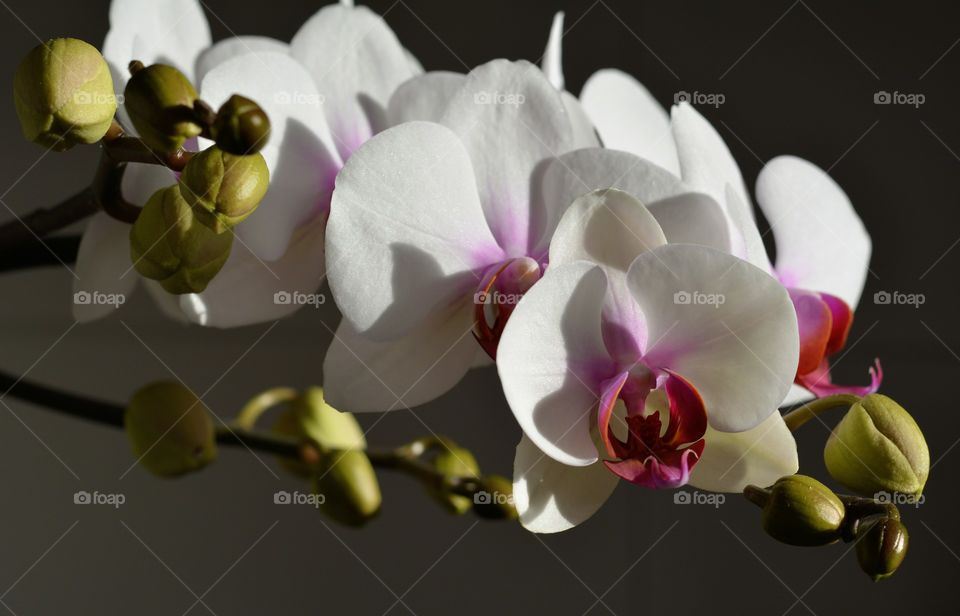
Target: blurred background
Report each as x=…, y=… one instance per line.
x=797, y=77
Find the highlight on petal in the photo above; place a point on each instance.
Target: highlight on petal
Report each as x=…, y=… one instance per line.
x=759, y=456
x=366, y=376
x=103, y=267
x=552, y=359
x=822, y=244
x=424, y=97
x=723, y=325
x=406, y=236
x=357, y=62
x=629, y=118
x=299, y=153
x=235, y=46
x=552, y=497
x=552, y=63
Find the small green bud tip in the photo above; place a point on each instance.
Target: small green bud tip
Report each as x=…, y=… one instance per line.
x=878, y=447
x=63, y=94
x=169, y=244
x=799, y=510
x=242, y=127
x=223, y=189
x=495, y=500
x=170, y=430
x=159, y=100
x=452, y=463
x=881, y=547
x=348, y=483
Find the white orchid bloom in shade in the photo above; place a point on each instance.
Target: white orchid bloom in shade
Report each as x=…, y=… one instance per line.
x=675, y=356
x=279, y=250
x=428, y=217
x=823, y=250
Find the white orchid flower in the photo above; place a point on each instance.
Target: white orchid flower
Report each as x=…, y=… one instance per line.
x=823, y=250
x=670, y=358
x=325, y=93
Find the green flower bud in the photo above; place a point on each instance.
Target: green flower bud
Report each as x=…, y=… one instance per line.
x=348, y=483
x=223, y=189
x=454, y=462
x=169, y=244
x=63, y=93
x=881, y=547
x=878, y=447
x=159, y=100
x=241, y=127
x=799, y=510
x=310, y=417
x=170, y=429
x=495, y=500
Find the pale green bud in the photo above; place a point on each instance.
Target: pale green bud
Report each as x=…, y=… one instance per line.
x=169, y=244
x=242, y=127
x=799, y=510
x=223, y=189
x=159, y=100
x=63, y=93
x=878, y=447
x=495, y=500
x=881, y=547
x=348, y=483
x=454, y=462
x=170, y=429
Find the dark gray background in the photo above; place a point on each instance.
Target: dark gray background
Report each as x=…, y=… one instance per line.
x=798, y=78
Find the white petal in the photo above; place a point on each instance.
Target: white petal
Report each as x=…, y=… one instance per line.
x=406, y=235
x=584, y=133
x=692, y=218
x=796, y=395
x=510, y=119
x=552, y=497
x=236, y=46
x=140, y=181
x=746, y=241
x=629, y=118
x=173, y=32
x=550, y=346
x=721, y=323
x=733, y=460
x=425, y=97
x=103, y=267
x=299, y=153
x=822, y=244
x=248, y=290
x=168, y=303
x=360, y=375
x=552, y=63
x=357, y=62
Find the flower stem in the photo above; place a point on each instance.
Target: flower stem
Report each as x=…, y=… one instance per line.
x=800, y=415
x=25, y=231
x=261, y=403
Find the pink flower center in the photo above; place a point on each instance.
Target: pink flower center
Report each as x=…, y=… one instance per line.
x=497, y=296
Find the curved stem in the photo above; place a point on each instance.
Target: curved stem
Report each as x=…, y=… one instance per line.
x=26, y=230
x=252, y=410
x=805, y=412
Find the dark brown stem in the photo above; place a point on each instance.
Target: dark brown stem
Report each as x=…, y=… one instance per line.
x=25, y=230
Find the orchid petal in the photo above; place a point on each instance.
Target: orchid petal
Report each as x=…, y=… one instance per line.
x=746, y=241
x=584, y=133
x=406, y=236
x=797, y=395
x=298, y=153
x=821, y=243
x=722, y=324
x=552, y=63
x=141, y=181
x=552, y=497
x=733, y=460
x=357, y=62
x=629, y=118
x=424, y=97
x=235, y=46
x=551, y=359
x=103, y=266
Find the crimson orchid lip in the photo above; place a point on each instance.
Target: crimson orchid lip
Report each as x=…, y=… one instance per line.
x=498, y=295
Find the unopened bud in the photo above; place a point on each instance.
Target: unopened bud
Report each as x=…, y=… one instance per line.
x=310, y=417
x=159, y=100
x=223, y=189
x=878, y=447
x=495, y=500
x=881, y=547
x=242, y=126
x=348, y=483
x=170, y=429
x=799, y=510
x=454, y=462
x=63, y=93
x=169, y=244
